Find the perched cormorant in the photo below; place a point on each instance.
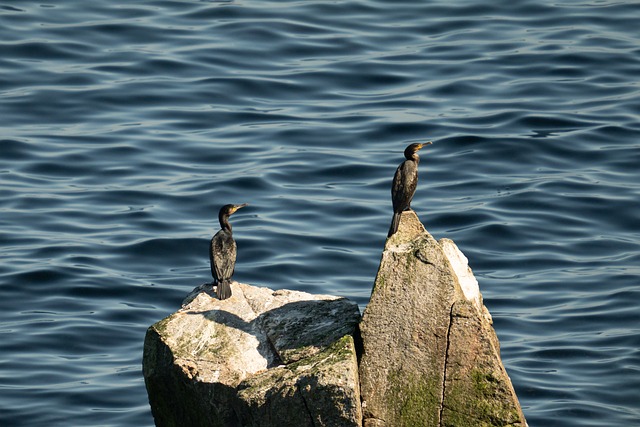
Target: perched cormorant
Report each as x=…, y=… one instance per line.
x=222, y=252
x=404, y=184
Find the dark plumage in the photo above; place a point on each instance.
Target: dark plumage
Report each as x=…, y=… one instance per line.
x=404, y=184
x=222, y=252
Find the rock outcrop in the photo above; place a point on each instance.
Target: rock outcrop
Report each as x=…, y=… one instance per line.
x=431, y=356
x=260, y=358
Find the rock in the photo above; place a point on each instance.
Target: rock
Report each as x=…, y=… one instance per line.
x=259, y=358
x=431, y=356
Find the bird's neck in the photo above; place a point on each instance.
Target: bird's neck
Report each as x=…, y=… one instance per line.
x=414, y=157
x=224, y=222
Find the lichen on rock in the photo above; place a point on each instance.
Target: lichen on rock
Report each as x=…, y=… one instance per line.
x=431, y=356
x=428, y=356
x=260, y=358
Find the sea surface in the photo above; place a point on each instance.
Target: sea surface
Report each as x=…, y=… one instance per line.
x=124, y=126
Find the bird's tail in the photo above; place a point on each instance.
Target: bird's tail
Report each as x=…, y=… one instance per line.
x=395, y=222
x=224, y=289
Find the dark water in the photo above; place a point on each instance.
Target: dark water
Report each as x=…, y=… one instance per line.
x=124, y=126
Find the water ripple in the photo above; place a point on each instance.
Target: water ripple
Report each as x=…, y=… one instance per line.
x=125, y=127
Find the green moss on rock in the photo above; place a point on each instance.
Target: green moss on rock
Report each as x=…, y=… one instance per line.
x=161, y=325
x=482, y=401
x=417, y=400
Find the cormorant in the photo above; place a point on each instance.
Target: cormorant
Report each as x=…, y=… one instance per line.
x=222, y=252
x=404, y=184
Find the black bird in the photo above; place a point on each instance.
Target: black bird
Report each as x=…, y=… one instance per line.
x=404, y=184
x=222, y=252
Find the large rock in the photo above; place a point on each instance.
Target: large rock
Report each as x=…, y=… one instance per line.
x=431, y=356
x=260, y=358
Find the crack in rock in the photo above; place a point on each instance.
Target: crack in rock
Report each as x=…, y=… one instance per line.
x=306, y=405
x=446, y=363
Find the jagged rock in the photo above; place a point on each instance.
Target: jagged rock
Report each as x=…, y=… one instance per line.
x=259, y=358
x=431, y=356
x=264, y=358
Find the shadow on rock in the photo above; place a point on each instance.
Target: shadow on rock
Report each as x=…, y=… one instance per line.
x=255, y=359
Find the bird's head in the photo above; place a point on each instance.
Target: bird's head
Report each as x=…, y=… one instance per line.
x=414, y=148
x=225, y=211
x=230, y=209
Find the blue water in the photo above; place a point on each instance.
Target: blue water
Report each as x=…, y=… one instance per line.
x=124, y=126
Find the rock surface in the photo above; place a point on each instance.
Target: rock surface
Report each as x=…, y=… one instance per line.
x=431, y=356
x=259, y=358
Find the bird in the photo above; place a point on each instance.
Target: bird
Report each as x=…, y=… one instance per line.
x=222, y=252
x=404, y=184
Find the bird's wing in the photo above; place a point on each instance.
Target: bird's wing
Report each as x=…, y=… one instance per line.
x=222, y=255
x=404, y=186
x=411, y=172
x=212, y=260
x=398, y=189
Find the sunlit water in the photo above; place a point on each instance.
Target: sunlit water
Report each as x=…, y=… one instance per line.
x=124, y=126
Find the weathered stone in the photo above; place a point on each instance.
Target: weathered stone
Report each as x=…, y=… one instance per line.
x=431, y=356
x=259, y=358
x=321, y=390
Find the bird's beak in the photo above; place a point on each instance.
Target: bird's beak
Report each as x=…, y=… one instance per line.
x=426, y=143
x=236, y=207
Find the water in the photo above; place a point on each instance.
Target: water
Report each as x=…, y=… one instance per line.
x=125, y=126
